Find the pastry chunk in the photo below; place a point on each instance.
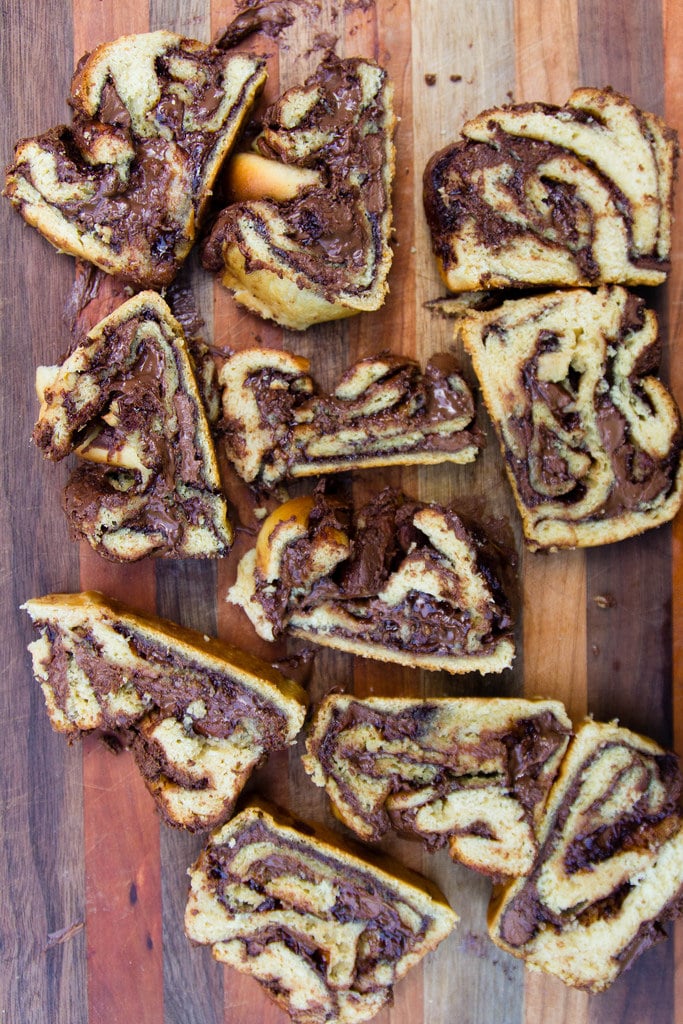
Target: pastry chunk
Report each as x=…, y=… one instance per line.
x=469, y=773
x=306, y=238
x=591, y=437
x=610, y=867
x=399, y=580
x=200, y=714
x=326, y=933
x=126, y=185
x=126, y=402
x=384, y=410
x=542, y=195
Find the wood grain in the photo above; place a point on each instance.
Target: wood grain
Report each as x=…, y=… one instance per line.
x=94, y=887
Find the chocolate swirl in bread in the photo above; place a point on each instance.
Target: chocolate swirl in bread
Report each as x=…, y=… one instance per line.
x=306, y=238
x=610, y=868
x=543, y=195
x=200, y=714
x=399, y=580
x=326, y=933
x=383, y=410
x=126, y=401
x=469, y=773
x=126, y=185
x=591, y=438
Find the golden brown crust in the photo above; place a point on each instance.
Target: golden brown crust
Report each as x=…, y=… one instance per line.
x=590, y=436
x=538, y=195
x=326, y=932
x=199, y=713
x=322, y=252
x=126, y=185
x=401, y=582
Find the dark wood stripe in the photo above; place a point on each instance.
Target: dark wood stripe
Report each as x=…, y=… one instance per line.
x=42, y=909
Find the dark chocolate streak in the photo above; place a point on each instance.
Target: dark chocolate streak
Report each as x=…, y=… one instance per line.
x=451, y=196
x=639, y=478
x=639, y=828
x=360, y=897
x=168, y=684
x=383, y=535
x=521, y=751
x=337, y=225
x=138, y=207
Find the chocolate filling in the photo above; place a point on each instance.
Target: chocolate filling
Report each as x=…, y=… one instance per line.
x=336, y=226
x=639, y=828
x=453, y=195
x=383, y=536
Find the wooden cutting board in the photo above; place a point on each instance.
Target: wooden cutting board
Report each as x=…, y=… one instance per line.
x=92, y=887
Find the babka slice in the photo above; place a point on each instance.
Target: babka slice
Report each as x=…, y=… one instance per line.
x=536, y=194
x=469, y=773
x=591, y=438
x=200, y=714
x=610, y=868
x=306, y=238
x=126, y=184
x=384, y=410
x=398, y=580
x=326, y=933
x=126, y=401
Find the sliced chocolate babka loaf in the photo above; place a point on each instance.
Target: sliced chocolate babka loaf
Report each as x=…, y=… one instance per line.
x=126, y=401
x=538, y=195
x=609, y=872
x=199, y=714
x=398, y=580
x=590, y=436
x=327, y=934
x=469, y=773
x=306, y=238
x=126, y=184
x=383, y=411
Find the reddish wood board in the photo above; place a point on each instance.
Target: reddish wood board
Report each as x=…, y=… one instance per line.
x=92, y=885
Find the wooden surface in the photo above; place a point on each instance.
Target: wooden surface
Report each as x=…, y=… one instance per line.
x=92, y=887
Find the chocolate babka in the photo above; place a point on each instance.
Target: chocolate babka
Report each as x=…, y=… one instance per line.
x=536, y=194
x=609, y=872
x=398, y=580
x=126, y=184
x=591, y=438
x=469, y=773
x=126, y=401
x=326, y=933
x=306, y=236
x=384, y=410
x=199, y=714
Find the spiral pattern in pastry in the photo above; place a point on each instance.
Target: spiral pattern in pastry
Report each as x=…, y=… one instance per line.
x=470, y=773
x=200, y=714
x=384, y=410
x=396, y=580
x=126, y=184
x=306, y=238
x=536, y=194
x=590, y=435
x=326, y=933
x=610, y=866
x=126, y=402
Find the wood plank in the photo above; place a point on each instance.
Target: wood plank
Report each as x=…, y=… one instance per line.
x=42, y=910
